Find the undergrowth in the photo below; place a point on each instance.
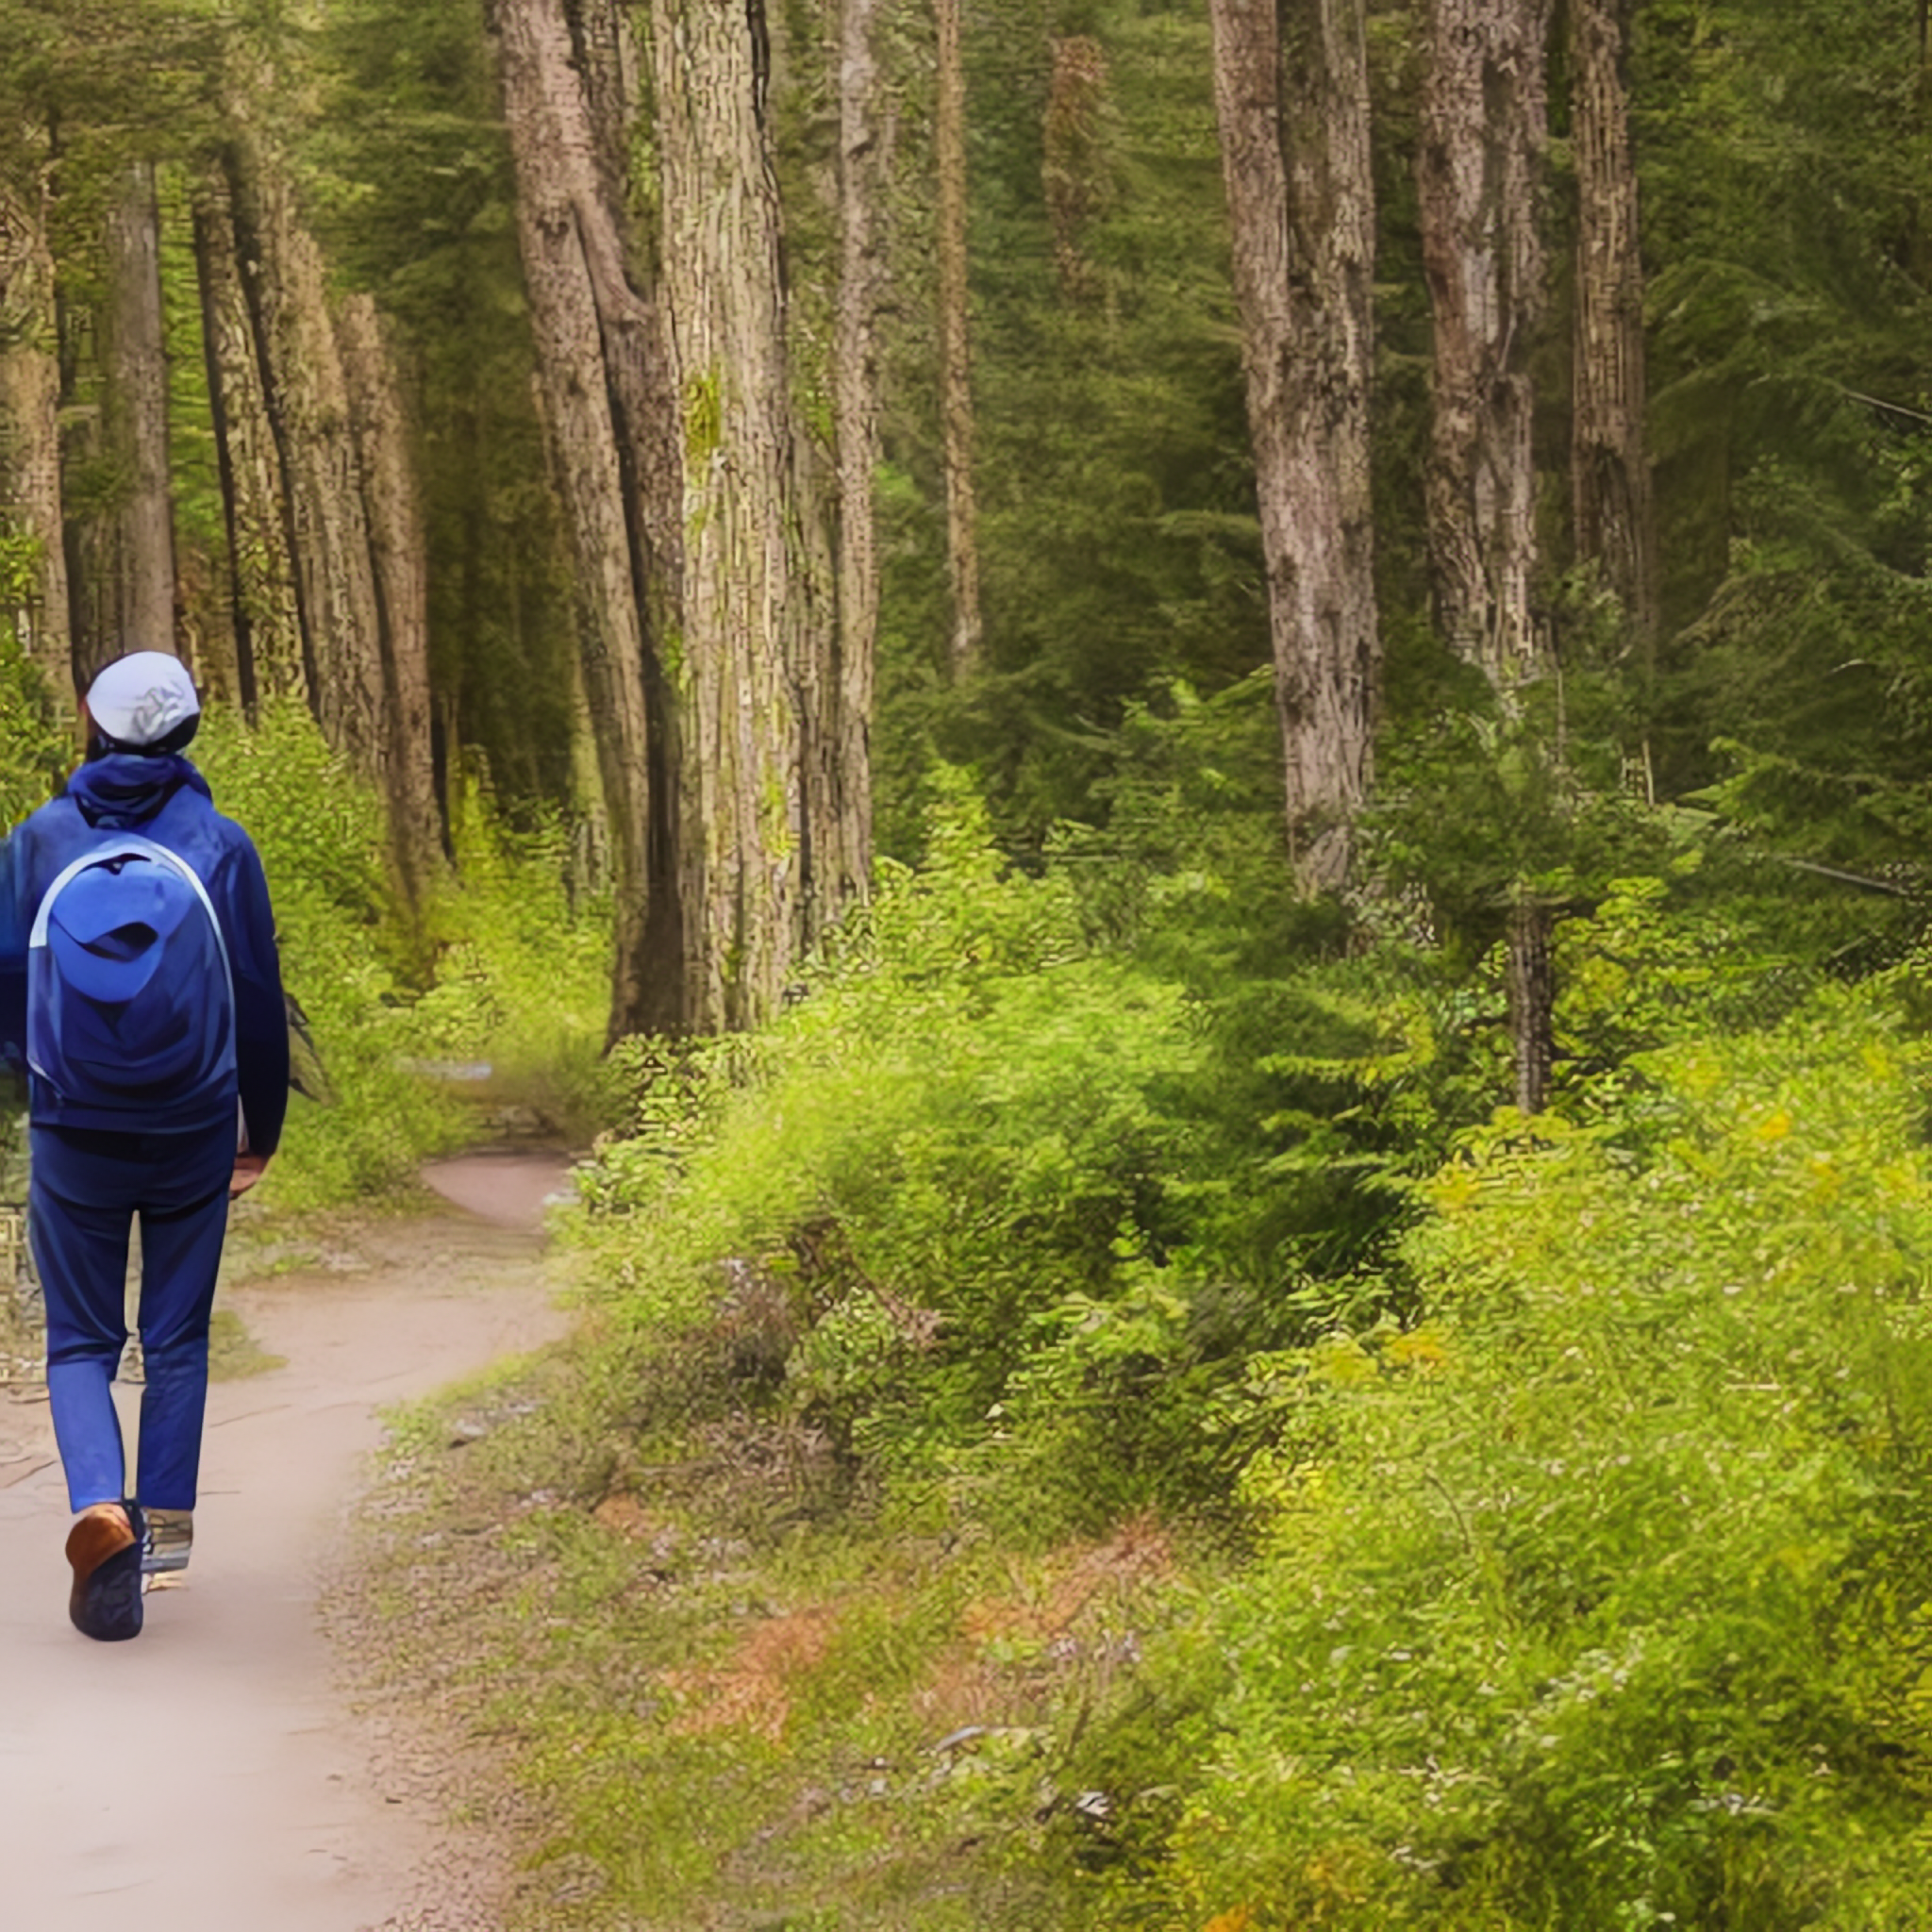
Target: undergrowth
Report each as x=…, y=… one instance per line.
x=496, y=965
x=994, y=1209
x=1601, y=1596
x=1591, y=1588
x=1068, y=1435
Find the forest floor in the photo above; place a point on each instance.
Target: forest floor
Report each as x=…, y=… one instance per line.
x=213, y=1772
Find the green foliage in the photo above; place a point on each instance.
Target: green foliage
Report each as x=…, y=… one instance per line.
x=514, y=975
x=120, y=79
x=1477, y=810
x=1011, y=1203
x=1120, y=545
x=521, y=966
x=960, y=1129
x=1786, y=179
x=321, y=839
x=410, y=183
x=1601, y=1596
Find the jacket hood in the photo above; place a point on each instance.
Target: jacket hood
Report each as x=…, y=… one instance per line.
x=124, y=790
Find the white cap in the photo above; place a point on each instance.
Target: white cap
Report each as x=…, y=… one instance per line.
x=141, y=698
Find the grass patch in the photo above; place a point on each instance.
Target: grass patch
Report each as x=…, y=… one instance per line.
x=233, y=1353
x=730, y=1691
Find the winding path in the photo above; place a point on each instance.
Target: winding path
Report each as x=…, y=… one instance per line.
x=206, y=1777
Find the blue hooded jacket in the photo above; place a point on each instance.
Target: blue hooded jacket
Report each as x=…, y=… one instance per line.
x=167, y=800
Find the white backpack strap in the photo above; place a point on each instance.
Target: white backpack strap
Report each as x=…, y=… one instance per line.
x=129, y=845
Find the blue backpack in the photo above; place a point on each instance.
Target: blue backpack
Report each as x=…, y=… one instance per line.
x=130, y=1000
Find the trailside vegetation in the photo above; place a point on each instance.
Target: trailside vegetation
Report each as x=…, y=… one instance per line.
x=1252, y=1225
x=432, y=1016
x=1075, y=1430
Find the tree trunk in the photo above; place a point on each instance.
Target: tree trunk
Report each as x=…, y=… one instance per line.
x=865, y=144
x=1073, y=160
x=755, y=627
x=611, y=431
x=956, y=359
x=30, y=440
x=401, y=567
x=1481, y=178
x=1614, y=508
x=120, y=534
x=1532, y=1001
x=1302, y=207
x=604, y=51
x=138, y=380
x=270, y=656
x=308, y=413
x=643, y=385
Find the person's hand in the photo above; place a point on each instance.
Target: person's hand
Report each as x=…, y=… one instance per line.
x=249, y=1168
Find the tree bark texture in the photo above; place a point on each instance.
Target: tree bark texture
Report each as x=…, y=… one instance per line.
x=604, y=51
x=1073, y=162
x=1613, y=503
x=865, y=147
x=1481, y=173
x=610, y=426
x=308, y=400
x=1292, y=93
x=121, y=532
x=270, y=659
x=401, y=568
x=750, y=683
x=955, y=355
x=30, y=437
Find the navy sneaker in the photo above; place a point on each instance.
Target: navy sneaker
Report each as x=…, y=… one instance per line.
x=105, y=1546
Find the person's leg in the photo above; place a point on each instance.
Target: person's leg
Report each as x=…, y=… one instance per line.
x=184, y=1218
x=80, y=1210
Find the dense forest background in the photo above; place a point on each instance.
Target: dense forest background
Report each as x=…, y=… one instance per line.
x=350, y=155
x=1201, y=734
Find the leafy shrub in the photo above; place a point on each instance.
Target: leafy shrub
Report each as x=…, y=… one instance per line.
x=1028, y=1201
x=1602, y=1597
x=498, y=966
x=961, y=1132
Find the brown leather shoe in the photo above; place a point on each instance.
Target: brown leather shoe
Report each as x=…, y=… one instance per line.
x=103, y=1547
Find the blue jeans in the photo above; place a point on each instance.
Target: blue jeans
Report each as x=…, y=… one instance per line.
x=87, y=1187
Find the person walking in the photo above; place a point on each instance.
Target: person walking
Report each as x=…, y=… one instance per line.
x=141, y=991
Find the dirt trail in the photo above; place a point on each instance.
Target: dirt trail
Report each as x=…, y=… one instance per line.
x=205, y=1778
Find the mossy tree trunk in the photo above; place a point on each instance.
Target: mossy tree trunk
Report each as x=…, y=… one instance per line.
x=308, y=410
x=120, y=529
x=1614, y=501
x=750, y=681
x=955, y=351
x=610, y=426
x=1073, y=160
x=30, y=437
x=401, y=568
x=270, y=657
x=1480, y=172
x=1293, y=96
x=865, y=147
x=713, y=675
x=1480, y=175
